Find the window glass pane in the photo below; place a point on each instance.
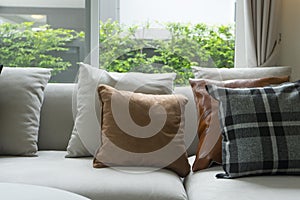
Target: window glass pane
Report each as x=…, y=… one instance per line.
x=184, y=11
x=38, y=20
x=43, y=33
x=168, y=36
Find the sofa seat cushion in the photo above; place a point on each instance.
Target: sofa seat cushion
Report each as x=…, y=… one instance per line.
x=51, y=169
x=204, y=184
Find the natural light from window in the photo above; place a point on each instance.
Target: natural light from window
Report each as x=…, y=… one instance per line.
x=159, y=36
x=184, y=11
x=149, y=36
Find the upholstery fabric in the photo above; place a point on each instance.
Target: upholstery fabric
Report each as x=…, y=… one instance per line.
x=21, y=98
x=85, y=135
x=223, y=74
x=35, y=192
x=58, y=99
x=190, y=116
x=209, y=132
x=52, y=169
x=56, y=117
x=204, y=185
x=142, y=130
x=260, y=128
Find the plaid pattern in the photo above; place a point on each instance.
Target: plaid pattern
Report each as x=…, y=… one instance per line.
x=260, y=128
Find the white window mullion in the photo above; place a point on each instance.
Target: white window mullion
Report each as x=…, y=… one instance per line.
x=92, y=32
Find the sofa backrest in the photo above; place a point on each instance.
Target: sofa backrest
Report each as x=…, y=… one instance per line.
x=57, y=118
x=56, y=121
x=191, y=125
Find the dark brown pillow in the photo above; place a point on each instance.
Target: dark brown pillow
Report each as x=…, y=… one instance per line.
x=209, y=132
x=142, y=130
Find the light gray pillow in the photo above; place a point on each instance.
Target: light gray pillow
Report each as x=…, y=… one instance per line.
x=21, y=97
x=85, y=138
x=223, y=74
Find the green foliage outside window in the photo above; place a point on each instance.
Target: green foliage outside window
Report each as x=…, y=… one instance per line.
x=23, y=46
x=189, y=45
x=120, y=51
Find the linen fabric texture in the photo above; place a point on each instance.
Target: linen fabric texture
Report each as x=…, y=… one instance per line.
x=209, y=149
x=85, y=136
x=260, y=128
x=223, y=74
x=151, y=134
x=21, y=98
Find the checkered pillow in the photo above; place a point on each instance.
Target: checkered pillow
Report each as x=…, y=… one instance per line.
x=260, y=128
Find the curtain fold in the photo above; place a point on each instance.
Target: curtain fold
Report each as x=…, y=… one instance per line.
x=262, y=39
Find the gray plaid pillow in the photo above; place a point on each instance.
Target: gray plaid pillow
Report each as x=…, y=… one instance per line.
x=260, y=128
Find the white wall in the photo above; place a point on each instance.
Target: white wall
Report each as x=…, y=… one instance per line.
x=290, y=29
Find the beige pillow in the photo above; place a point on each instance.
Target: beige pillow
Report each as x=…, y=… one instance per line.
x=142, y=130
x=223, y=74
x=85, y=136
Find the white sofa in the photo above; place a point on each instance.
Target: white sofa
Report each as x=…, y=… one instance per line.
x=51, y=168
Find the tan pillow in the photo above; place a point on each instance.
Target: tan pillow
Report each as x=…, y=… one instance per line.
x=209, y=132
x=142, y=130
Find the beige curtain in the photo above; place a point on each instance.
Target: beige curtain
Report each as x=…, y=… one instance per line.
x=262, y=39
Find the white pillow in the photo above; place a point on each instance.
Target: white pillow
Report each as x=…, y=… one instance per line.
x=223, y=74
x=85, y=136
x=21, y=98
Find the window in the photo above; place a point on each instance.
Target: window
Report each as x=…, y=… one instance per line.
x=182, y=11
x=135, y=35
x=167, y=36
x=38, y=20
x=43, y=33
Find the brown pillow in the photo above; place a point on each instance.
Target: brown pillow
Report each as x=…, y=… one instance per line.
x=209, y=132
x=142, y=130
